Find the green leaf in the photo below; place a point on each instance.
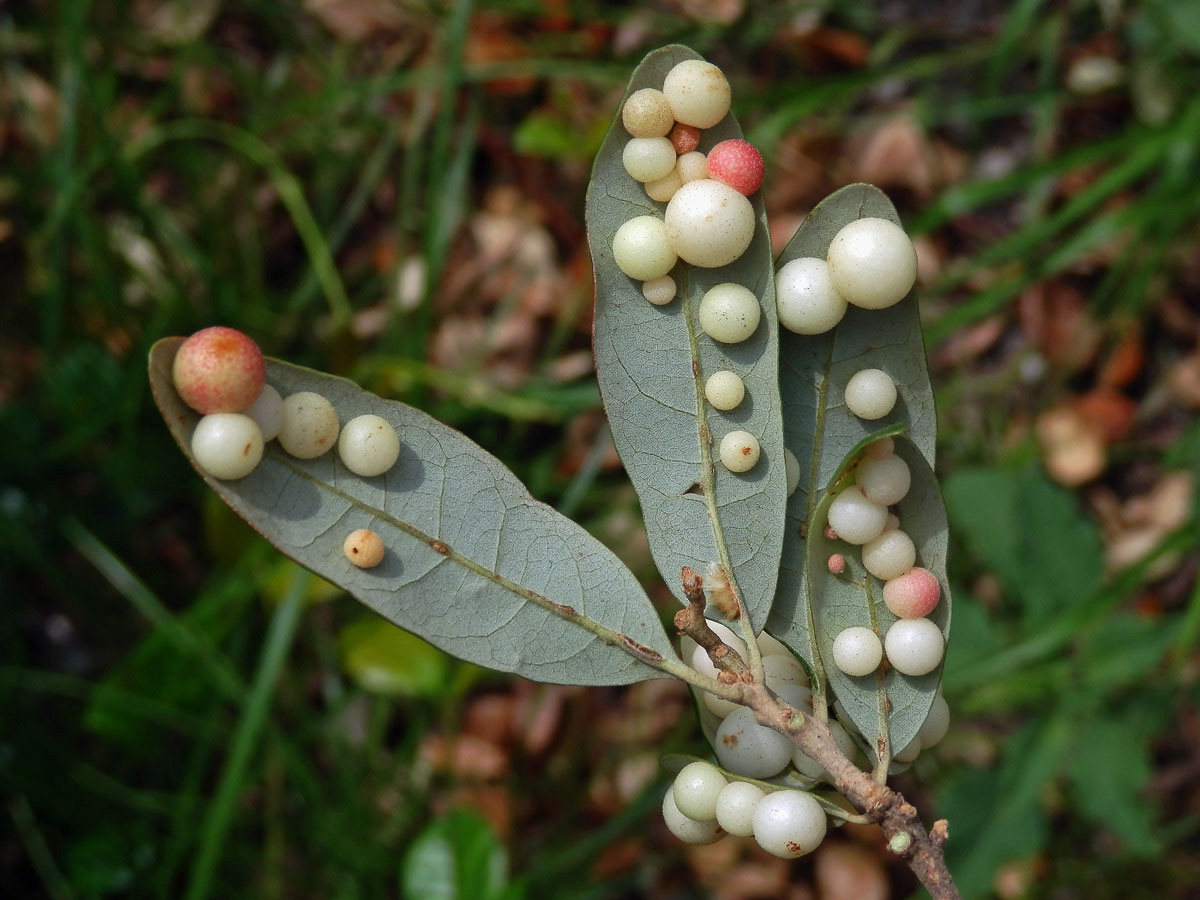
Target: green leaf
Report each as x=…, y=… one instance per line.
x=975, y=636
x=1110, y=772
x=998, y=816
x=1034, y=537
x=825, y=438
x=651, y=364
x=385, y=660
x=474, y=564
x=456, y=858
x=855, y=597
x=994, y=539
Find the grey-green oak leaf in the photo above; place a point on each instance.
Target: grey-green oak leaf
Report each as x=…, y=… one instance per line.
x=474, y=564
x=824, y=435
x=651, y=364
x=855, y=597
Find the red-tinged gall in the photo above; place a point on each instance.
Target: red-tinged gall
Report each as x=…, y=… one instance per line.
x=219, y=369
x=737, y=163
x=837, y=563
x=913, y=594
x=684, y=138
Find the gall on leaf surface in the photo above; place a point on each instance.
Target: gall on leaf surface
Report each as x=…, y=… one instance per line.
x=826, y=439
x=855, y=597
x=474, y=564
x=652, y=363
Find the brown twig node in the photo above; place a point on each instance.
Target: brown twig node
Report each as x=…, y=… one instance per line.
x=691, y=622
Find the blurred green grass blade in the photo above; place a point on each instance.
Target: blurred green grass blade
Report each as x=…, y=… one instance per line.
x=967, y=197
x=372, y=172
x=185, y=821
x=250, y=727
x=132, y=703
x=1029, y=241
x=547, y=870
x=92, y=779
x=1051, y=636
x=286, y=184
x=1011, y=43
x=585, y=477
x=37, y=850
x=449, y=160
x=533, y=402
x=224, y=677
x=785, y=107
x=1188, y=635
x=449, y=192
x=452, y=76
x=1103, y=230
x=998, y=816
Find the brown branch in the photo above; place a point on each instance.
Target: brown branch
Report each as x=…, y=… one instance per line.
x=691, y=623
x=907, y=838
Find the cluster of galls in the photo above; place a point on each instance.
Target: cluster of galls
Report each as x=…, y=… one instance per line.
x=221, y=374
x=708, y=221
x=859, y=516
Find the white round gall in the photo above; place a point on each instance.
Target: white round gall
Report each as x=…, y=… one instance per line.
x=914, y=646
x=857, y=651
x=884, y=481
x=724, y=390
x=736, y=805
x=782, y=668
x=729, y=313
x=688, y=830
x=789, y=824
x=659, y=291
x=936, y=724
x=872, y=263
x=880, y=448
x=746, y=748
x=709, y=223
x=310, y=425
x=363, y=548
x=909, y=752
x=227, y=445
x=696, y=788
x=870, y=394
x=792, y=469
x=648, y=159
x=267, y=411
x=889, y=555
x=806, y=300
x=661, y=190
x=691, y=166
x=698, y=92
x=368, y=446
x=642, y=250
x=855, y=518
x=769, y=646
x=739, y=451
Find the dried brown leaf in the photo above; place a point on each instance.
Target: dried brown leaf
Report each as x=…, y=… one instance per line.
x=849, y=872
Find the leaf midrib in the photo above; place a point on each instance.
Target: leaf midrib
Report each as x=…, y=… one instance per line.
x=562, y=611
x=704, y=437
